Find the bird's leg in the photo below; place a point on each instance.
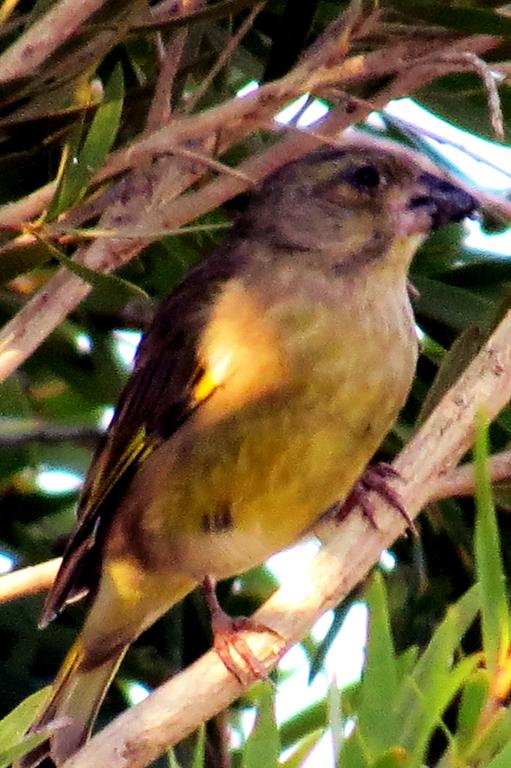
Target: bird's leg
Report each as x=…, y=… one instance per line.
x=374, y=478
x=227, y=641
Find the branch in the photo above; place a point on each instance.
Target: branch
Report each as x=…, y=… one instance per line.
x=224, y=57
x=28, y=581
x=44, y=36
x=15, y=432
x=456, y=482
x=177, y=708
x=460, y=481
x=170, y=62
x=140, y=201
x=15, y=215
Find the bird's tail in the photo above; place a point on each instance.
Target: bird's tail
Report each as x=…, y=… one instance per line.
x=75, y=699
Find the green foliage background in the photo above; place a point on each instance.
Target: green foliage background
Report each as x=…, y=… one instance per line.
x=428, y=676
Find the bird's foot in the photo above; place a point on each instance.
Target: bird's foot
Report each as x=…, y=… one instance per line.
x=230, y=646
x=375, y=478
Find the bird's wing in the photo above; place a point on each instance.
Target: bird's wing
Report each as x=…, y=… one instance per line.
x=166, y=387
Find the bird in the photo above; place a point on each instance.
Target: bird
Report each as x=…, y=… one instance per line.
x=260, y=392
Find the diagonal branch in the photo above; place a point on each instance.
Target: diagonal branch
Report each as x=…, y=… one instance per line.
x=44, y=36
x=38, y=578
x=349, y=550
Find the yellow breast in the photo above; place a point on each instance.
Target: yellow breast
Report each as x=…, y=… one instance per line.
x=305, y=388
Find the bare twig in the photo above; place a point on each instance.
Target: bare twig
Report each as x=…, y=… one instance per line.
x=238, y=117
x=224, y=57
x=460, y=481
x=160, y=109
x=15, y=433
x=413, y=128
x=474, y=62
x=28, y=581
x=177, y=708
x=43, y=37
x=16, y=215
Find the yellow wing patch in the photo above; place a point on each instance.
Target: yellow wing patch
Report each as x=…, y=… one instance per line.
x=241, y=353
x=213, y=377
x=137, y=450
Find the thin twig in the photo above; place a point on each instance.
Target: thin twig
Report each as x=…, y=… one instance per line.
x=460, y=481
x=488, y=79
x=160, y=109
x=420, y=130
x=224, y=57
x=28, y=581
x=16, y=215
x=15, y=433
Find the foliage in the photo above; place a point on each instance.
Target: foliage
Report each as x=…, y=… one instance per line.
x=432, y=693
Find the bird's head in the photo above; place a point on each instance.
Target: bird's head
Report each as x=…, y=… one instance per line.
x=357, y=199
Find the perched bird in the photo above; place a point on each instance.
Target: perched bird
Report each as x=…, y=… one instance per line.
x=262, y=389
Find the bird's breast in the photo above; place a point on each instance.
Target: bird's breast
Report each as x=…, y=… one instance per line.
x=311, y=384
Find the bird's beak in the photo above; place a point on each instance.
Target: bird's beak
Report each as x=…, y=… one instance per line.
x=443, y=201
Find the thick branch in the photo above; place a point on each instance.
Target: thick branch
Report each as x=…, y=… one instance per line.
x=142, y=733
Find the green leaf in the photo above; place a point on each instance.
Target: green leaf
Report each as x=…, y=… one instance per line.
x=335, y=718
x=473, y=698
x=263, y=745
x=81, y=164
x=464, y=17
x=455, y=307
x=172, y=759
x=13, y=727
x=103, y=129
x=503, y=759
x=490, y=568
x=395, y=757
x=99, y=279
x=8, y=756
x=199, y=750
x=302, y=752
x=454, y=362
x=63, y=196
x=304, y=722
x=379, y=679
x=354, y=753
x=434, y=682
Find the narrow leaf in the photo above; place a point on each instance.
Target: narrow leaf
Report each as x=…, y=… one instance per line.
x=16, y=723
x=494, y=605
x=263, y=744
x=199, y=751
x=379, y=680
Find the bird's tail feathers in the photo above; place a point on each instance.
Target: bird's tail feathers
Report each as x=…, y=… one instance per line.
x=75, y=699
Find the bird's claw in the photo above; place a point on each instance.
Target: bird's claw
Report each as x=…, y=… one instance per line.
x=231, y=647
x=375, y=478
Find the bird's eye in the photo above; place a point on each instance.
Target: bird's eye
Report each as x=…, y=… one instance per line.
x=366, y=177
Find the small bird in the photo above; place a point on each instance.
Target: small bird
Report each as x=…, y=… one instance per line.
x=260, y=392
